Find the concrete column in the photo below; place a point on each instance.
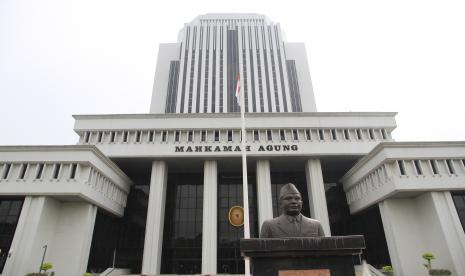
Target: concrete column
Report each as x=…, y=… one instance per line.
x=316, y=193
x=427, y=223
x=210, y=217
x=151, y=262
x=264, y=195
x=66, y=229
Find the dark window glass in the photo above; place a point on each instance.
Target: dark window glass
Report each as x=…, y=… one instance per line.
x=203, y=136
x=6, y=171
x=230, y=260
x=418, y=168
x=170, y=106
x=87, y=137
x=10, y=209
x=230, y=135
x=72, y=174
x=56, y=170
x=401, y=167
x=367, y=223
x=256, y=135
x=295, y=134
x=22, y=171
x=459, y=201
x=333, y=134
x=282, y=135
x=150, y=136
x=269, y=135
x=293, y=86
x=450, y=166
x=321, y=134
x=176, y=136
x=125, y=136
x=112, y=137
x=434, y=166
x=372, y=134
x=163, y=136
x=308, y=134
x=122, y=237
x=359, y=134
x=190, y=136
x=182, y=237
x=217, y=135
x=40, y=169
x=232, y=69
x=346, y=134
x=99, y=137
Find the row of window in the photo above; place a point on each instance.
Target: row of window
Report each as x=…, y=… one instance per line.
x=36, y=171
x=139, y=136
x=434, y=167
x=262, y=60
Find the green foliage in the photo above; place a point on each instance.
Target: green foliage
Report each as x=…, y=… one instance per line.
x=387, y=268
x=428, y=256
x=36, y=274
x=46, y=266
x=440, y=272
x=86, y=274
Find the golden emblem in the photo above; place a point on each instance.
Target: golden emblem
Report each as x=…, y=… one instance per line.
x=236, y=216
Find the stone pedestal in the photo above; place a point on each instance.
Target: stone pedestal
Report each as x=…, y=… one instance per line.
x=299, y=256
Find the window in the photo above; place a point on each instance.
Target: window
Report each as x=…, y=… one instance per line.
x=190, y=136
x=176, y=136
x=383, y=133
x=295, y=134
x=138, y=134
x=269, y=135
x=359, y=134
x=87, y=137
x=217, y=135
x=230, y=135
x=308, y=135
x=22, y=171
x=434, y=166
x=203, y=136
x=333, y=134
x=282, y=134
x=450, y=166
x=6, y=171
x=256, y=135
x=417, y=165
x=372, y=134
x=321, y=134
x=72, y=173
x=99, y=137
x=125, y=136
x=150, y=136
x=56, y=171
x=346, y=134
x=112, y=137
x=400, y=163
x=40, y=169
x=163, y=136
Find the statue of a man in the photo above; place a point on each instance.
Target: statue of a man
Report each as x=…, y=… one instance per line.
x=291, y=223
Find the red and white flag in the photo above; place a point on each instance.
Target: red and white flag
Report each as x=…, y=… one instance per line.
x=238, y=90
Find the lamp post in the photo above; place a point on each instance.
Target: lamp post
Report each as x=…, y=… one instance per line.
x=43, y=258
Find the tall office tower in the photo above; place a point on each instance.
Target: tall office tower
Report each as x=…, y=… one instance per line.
x=198, y=74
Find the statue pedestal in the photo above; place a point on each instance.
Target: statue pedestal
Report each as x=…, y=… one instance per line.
x=303, y=256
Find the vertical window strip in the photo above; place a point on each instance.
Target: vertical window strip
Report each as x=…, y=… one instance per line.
x=39, y=171
x=450, y=166
x=401, y=165
x=186, y=59
x=73, y=169
x=170, y=106
x=281, y=73
x=199, y=71
x=6, y=170
x=417, y=165
x=22, y=171
x=56, y=170
x=294, y=86
x=434, y=167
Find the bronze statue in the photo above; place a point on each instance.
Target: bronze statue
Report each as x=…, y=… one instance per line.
x=291, y=223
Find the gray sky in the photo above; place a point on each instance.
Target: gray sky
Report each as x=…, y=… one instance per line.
x=64, y=57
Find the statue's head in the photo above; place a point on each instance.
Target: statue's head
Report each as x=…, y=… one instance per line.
x=290, y=200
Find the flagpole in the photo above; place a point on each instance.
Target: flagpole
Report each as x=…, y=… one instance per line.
x=245, y=190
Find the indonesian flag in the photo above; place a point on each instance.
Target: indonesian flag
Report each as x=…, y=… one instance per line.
x=238, y=90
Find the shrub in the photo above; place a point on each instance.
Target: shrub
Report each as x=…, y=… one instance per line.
x=440, y=272
x=86, y=274
x=46, y=266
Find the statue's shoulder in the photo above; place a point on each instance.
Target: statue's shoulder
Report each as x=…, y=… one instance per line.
x=273, y=221
x=310, y=220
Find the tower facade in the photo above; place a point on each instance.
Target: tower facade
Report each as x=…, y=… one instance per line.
x=198, y=74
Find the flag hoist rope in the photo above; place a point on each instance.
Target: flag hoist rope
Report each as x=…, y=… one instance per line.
x=245, y=190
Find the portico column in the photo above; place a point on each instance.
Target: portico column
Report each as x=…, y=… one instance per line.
x=316, y=193
x=210, y=214
x=151, y=262
x=264, y=196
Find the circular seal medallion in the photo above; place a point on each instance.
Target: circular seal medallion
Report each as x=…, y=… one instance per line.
x=236, y=216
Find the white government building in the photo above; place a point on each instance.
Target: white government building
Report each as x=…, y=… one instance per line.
x=151, y=193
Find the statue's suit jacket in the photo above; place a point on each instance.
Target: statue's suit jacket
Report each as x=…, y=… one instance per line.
x=280, y=227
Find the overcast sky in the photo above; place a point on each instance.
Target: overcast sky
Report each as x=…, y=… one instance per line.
x=64, y=57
